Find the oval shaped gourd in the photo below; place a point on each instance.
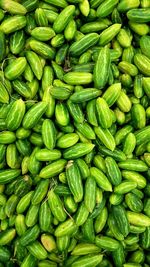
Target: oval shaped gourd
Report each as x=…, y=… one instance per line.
x=133, y=202
x=7, y=236
x=48, y=155
x=82, y=45
x=139, y=116
x=44, y=220
x=57, y=40
x=63, y=18
x=129, y=144
x=95, y=26
x=40, y=17
x=42, y=33
x=120, y=216
x=12, y=156
x=13, y=7
x=47, y=78
x=124, y=39
x=105, y=137
x=32, y=215
x=70, y=30
x=63, y=243
x=100, y=74
x=78, y=78
x=113, y=171
x=85, y=129
x=106, y=8
x=17, y=42
x=140, y=15
x=144, y=44
x=122, y=133
x=128, y=54
x=34, y=114
x=13, y=23
x=66, y=228
x=133, y=165
x=128, y=68
x=7, y=137
x=30, y=235
x=62, y=114
x=74, y=181
x=78, y=150
x=104, y=113
x=101, y=179
x=84, y=8
x=125, y=5
x=37, y=250
x=75, y=111
x=56, y=206
x=85, y=95
x=88, y=230
x=28, y=74
x=53, y=169
x=83, y=249
x=101, y=220
x=140, y=29
x=15, y=69
x=90, y=194
x=67, y=140
x=15, y=115
x=143, y=63
x=47, y=97
x=40, y=192
x=70, y=204
x=22, y=88
x=60, y=93
x=9, y=175
x=125, y=187
x=124, y=102
x=49, y=134
x=35, y=64
x=91, y=112
x=108, y=34
x=114, y=228
x=83, y=167
x=107, y=243
x=42, y=49
x=24, y=202
x=81, y=215
x=138, y=219
x=112, y=93
x=136, y=177
x=34, y=166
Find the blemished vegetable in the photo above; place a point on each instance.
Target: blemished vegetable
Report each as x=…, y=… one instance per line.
x=74, y=133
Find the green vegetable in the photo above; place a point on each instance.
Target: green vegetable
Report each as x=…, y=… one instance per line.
x=74, y=133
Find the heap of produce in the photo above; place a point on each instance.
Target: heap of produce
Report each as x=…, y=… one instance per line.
x=75, y=133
